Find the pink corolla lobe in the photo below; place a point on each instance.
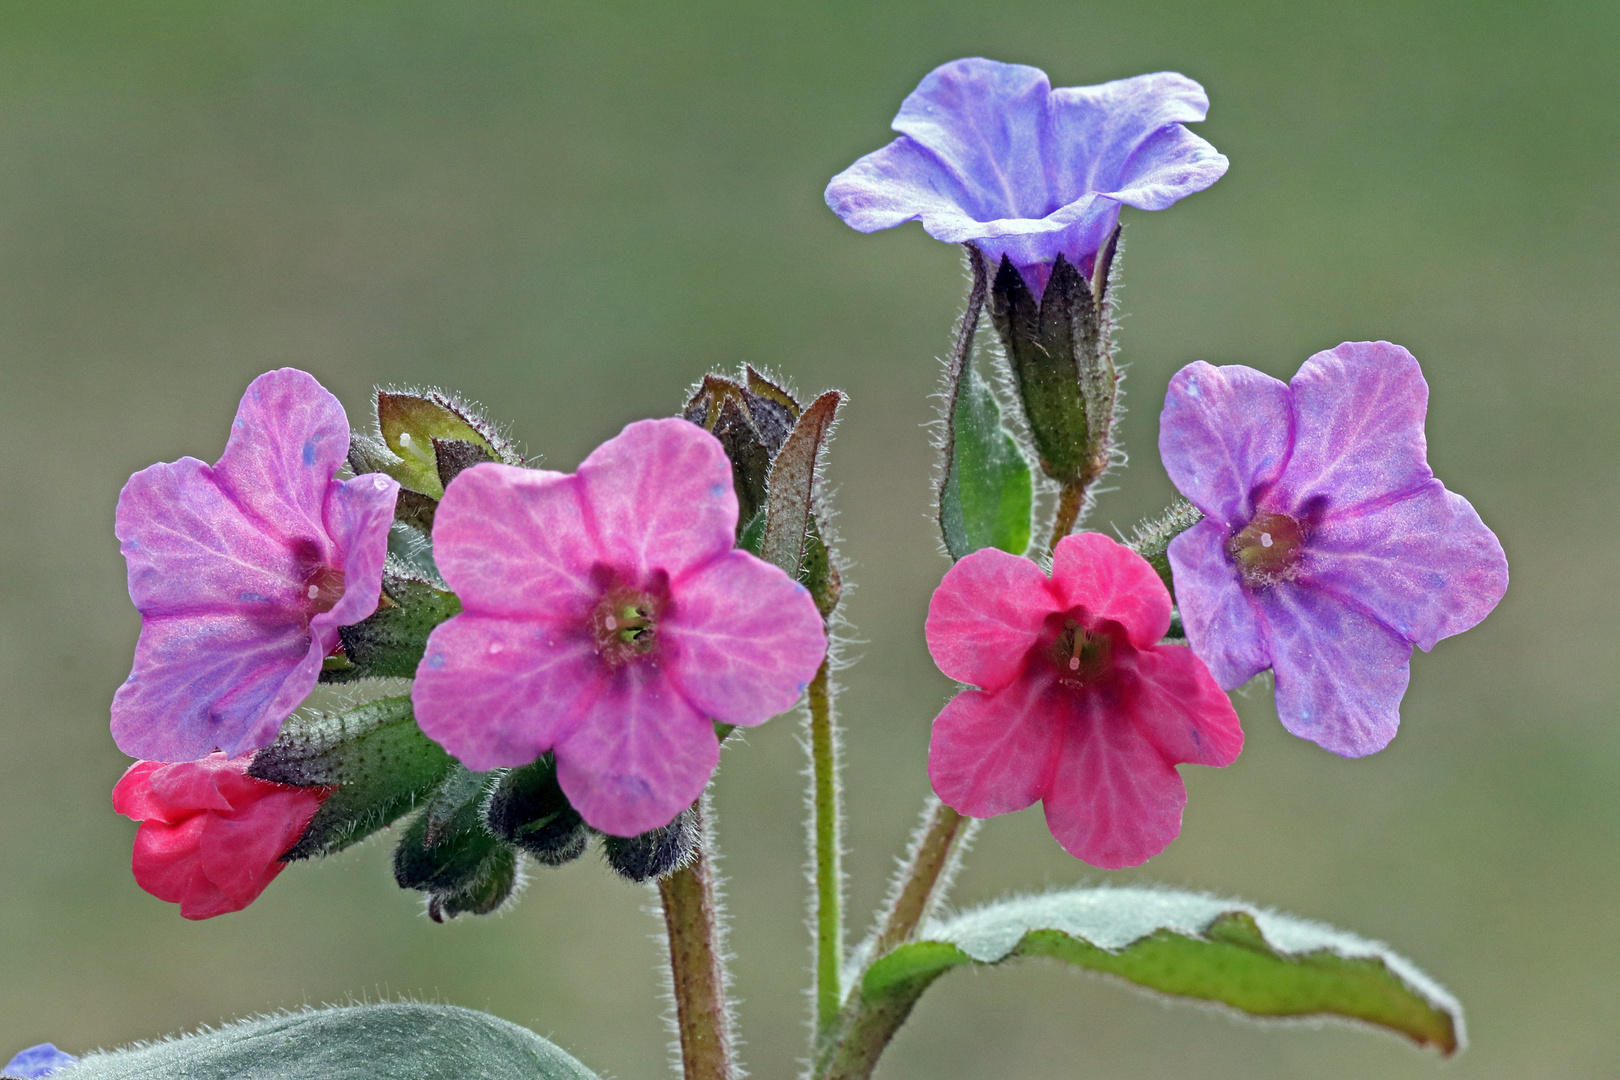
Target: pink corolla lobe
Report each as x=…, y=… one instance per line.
x=211, y=836
x=1078, y=705
x=242, y=573
x=1328, y=547
x=606, y=617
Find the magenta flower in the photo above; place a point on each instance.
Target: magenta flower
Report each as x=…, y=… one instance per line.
x=1078, y=704
x=990, y=155
x=1328, y=548
x=607, y=618
x=211, y=836
x=243, y=572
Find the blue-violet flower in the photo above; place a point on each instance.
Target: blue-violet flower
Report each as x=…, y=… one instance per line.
x=990, y=155
x=1328, y=548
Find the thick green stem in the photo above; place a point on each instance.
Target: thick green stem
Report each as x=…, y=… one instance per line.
x=829, y=873
x=926, y=863
x=696, y=966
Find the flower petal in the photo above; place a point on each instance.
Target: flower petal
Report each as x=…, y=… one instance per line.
x=986, y=615
x=1222, y=625
x=132, y=796
x=641, y=757
x=191, y=547
x=241, y=851
x=1175, y=702
x=165, y=864
x=1340, y=673
x=1224, y=432
x=209, y=682
x=514, y=542
x=742, y=640
x=991, y=751
x=1113, y=800
x=1359, y=416
x=659, y=496
x=1425, y=565
x=1111, y=581
x=1125, y=140
x=498, y=693
x=359, y=513
x=289, y=438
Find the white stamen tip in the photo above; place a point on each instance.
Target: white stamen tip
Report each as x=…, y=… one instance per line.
x=612, y=623
x=404, y=438
x=1265, y=539
x=1074, y=663
x=314, y=591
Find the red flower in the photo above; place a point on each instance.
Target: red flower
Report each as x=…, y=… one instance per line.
x=211, y=837
x=1079, y=706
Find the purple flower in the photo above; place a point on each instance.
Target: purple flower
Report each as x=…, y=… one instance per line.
x=38, y=1061
x=990, y=155
x=1328, y=548
x=607, y=618
x=243, y=572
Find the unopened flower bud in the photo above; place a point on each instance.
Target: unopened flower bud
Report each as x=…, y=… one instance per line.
x=752, y=420
x=447, y=852
x=654, y=854
x=528, y=809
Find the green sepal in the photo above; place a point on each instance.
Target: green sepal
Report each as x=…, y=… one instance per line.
x=411, y=423
x=1187, y=945
x=988, y=494
x=390, y=642
x=1152, y=538
x=448, y=853
x=374, y=755
x=751, y=419
x=385, y=1041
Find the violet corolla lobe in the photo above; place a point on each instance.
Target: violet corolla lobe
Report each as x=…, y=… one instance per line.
x=243, y=571
x=1329, y=548
x=606, y=617
x=1078, y=704
x=990, y=155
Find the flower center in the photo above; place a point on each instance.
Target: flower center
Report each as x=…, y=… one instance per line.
x=1083, y=657
x=323, y=588
x=625, y=623
x=1268, y=549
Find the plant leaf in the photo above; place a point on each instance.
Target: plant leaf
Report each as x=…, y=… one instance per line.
x=1188, y=945
x=793, y=482
x=988, y=493
x=359, y=1042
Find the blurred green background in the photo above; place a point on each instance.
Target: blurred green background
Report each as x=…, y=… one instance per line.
x=569, y=212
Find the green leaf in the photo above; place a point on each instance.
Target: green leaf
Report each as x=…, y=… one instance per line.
x=1186, y=945
x=376, y=757
x=988, y=493
x=360, y=1042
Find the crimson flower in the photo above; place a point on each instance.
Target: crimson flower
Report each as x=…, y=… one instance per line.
x=1078, y=705
x=211, y=836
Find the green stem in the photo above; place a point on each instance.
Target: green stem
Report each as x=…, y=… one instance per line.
x=697, y=970
x=829, y=873
x=1070, y=500
x=925, y=864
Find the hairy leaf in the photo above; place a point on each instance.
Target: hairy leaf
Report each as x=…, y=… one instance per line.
x=359, y=1042
x=988, y=493
x=793, y=482
x=1186, y=945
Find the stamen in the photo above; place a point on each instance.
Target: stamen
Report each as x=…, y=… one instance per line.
x=1265, y=539
x=1074, y=663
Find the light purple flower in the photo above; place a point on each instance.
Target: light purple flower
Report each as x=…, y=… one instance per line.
x=607, y=618
x=243, y=572
x=1329, y=548
x=38, y=1061
x=990, y=155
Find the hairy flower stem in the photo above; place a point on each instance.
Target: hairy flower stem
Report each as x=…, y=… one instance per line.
x=924, y=868
x=697, y=968
x=829, y=901
x=1070, y=501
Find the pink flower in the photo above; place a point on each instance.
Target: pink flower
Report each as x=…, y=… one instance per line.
x=211, y=836
x=243, y=572
x=1078, y=706
x=607, y=618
